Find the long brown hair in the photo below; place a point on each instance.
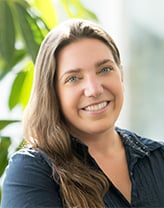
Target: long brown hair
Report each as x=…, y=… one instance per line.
x=44, y=124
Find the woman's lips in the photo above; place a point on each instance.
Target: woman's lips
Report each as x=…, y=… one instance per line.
x=96, y=107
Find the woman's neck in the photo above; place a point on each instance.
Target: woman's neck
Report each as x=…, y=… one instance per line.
x=105, y=143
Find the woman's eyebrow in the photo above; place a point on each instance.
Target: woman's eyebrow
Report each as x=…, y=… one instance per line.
x=70, y=71
x=104, y=61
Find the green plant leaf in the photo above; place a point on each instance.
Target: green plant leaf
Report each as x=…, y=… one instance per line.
x=6, y=67
x=29, y=28
x=7, y=31
x=16, y=89
x=47, y=11
x=4, y=145
x=4, y=123
x=74, y=8
x=27, y=84
x=21, y=88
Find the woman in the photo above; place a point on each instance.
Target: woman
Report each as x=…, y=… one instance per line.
x=78, y=157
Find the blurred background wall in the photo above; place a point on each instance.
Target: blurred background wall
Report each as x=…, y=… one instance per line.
x=146, y=67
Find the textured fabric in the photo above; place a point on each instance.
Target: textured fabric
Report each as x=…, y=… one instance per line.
x=28, y=179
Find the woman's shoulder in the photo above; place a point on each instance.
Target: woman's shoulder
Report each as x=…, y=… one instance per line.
x=30, y=155
x=27, y=162
x=134, y=138
x=28, y=180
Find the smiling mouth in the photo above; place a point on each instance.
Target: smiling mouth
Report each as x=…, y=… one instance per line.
x=96, y=107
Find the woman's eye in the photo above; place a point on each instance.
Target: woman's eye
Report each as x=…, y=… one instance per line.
x=72, y=79
x=105, y=69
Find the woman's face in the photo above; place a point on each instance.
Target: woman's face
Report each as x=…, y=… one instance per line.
x=89, y=87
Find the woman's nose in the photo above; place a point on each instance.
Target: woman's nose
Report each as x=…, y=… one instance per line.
x=93, y=87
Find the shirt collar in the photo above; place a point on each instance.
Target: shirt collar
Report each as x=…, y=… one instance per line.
x=132, y=141
x=139, y=145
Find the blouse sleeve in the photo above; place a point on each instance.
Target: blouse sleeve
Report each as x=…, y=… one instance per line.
x=28, y=182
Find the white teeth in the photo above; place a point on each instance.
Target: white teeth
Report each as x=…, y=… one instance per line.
x=96, y=107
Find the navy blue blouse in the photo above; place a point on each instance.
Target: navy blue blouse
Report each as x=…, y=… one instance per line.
x=28, y=181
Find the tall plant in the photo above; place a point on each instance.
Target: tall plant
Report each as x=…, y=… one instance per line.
x=23, y=25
